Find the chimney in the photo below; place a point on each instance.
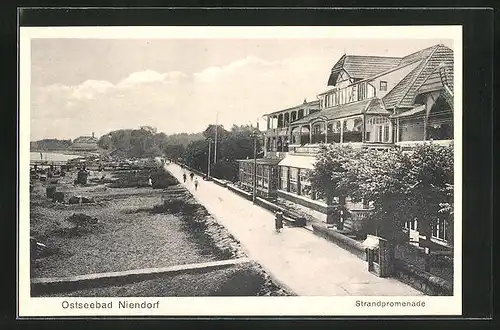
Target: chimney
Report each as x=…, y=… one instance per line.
x=93, y=134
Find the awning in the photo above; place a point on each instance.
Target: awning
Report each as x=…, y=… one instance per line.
x=413, y=111
x=371, y=242
x=260, y=161
x=306, y=162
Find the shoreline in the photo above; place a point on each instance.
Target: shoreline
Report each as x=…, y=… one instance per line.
x=66, y=152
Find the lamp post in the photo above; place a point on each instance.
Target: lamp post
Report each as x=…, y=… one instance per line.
x=216, y=131
x=254, y=135
x=208, y=169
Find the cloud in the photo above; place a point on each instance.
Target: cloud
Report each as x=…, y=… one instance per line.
x=150, y=76
x=141, y=77
x=243, y=65
x=241, y=91
x=91, y=88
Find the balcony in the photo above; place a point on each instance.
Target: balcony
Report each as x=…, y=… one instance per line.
x=276, y=154
x=283, y=131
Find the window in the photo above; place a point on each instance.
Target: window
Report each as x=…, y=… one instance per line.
x=383, y=85
x=352, y=94
x=294, y=178
x=361, y=91
x=305, y=184
x=439, y=230
x=411, y=225
x=378, y=130
x=352, y=131
x=284, y=178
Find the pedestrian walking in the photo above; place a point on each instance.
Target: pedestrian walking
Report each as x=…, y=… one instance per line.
x=192, y=176
x=196, y=184
x=278, y=221
x=184, y=177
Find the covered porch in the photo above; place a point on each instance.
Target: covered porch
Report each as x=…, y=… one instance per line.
x=261, y=173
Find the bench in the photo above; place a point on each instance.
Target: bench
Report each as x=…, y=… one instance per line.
x=298, y=221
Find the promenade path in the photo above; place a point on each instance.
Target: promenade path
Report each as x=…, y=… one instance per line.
x=296, y=258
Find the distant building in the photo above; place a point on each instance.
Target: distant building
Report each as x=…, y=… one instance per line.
x=85, y=143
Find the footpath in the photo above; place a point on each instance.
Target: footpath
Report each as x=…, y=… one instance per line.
x=296, y=258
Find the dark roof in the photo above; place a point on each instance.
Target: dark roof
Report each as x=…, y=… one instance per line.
x=442, y=76
x=417, y=56
x=376, y=107
x=340, y=111
x=312, y=104
x=261, y=161
x=447, y=75
x=403, y=94
x=362, y=67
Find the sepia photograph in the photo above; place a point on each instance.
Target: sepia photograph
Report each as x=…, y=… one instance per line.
x=240, y=171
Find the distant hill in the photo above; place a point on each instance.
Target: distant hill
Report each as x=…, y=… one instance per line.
x=50, y=145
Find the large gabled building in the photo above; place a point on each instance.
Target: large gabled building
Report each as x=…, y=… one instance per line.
x=85, y=143
x=370, y=102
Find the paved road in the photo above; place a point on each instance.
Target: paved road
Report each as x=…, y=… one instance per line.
x=298, y=259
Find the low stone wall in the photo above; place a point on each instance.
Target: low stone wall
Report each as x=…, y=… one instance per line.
x=341, y=240
x=290, y=217
x=63, y=284
x=268, y=205
x=302, y=201
x=421, y=280
x=239, y=191
x=221, y=183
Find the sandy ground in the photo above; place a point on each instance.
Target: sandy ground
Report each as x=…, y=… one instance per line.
x=135, y=231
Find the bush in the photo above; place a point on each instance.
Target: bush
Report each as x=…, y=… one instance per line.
x=162, y=179
x=402, y=186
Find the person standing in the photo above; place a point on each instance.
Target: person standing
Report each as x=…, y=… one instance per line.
x=196, y=184
x=184, y=177
x=278, y=221
x=192, y=176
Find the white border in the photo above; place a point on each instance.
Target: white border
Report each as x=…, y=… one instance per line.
x=212, y=306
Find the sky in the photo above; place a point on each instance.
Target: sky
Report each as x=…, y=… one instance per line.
x=80, y=86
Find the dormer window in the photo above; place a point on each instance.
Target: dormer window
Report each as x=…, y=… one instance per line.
x=383, y=85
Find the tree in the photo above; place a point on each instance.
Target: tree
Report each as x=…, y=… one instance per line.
x=50, y=144
x=402, y=187
x=142, y=142
x=235, y=144
x=174, y=151
x=326, y=178
x=209, y=132
x=105, y=142
x=196, y=155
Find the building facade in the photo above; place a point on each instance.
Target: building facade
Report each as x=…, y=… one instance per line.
x=369, y=102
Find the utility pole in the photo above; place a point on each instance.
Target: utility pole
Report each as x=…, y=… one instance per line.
x=254, y=168
x=254, y=135
x=209, y=146
x=216, y=130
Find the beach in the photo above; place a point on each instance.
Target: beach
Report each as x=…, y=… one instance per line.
x=137, y=227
